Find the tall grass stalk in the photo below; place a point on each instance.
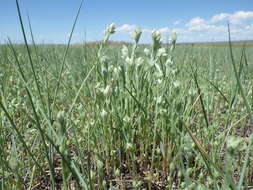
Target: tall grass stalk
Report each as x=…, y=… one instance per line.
x=242, y=175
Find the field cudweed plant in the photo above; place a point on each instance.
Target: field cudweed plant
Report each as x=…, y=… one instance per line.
x=126, y=116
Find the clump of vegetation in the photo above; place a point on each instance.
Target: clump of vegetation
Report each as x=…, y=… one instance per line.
x=125, y=117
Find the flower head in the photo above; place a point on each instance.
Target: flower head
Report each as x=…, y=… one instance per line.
x=174, y=37
x=156, y=38
x=136, y=35
x=103, y=113
x=124, y=52
x=146, y=51
x=107, y=90
x=173, y=40
x=161, y=52
x=139, y=61
x=129, y=61
x=110, y=29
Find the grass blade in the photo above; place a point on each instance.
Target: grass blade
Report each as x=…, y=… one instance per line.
x=66, y=52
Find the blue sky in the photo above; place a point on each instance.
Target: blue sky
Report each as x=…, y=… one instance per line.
x=193, y=20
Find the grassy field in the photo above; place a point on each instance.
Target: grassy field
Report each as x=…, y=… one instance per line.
x=126, y=116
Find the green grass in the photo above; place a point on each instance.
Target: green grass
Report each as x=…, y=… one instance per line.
x=122, y=117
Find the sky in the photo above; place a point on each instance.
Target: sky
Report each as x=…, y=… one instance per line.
x=192, y=20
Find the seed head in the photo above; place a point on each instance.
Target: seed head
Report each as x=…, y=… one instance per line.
x=173, y=40
x=124, y=52
x=156, y=38
x=129, y=61
x=136, y=35
x=161, y=52
x=107, y=90
x=146, y=51
x=139, y=61
x=110, y=29
x=174, y=37
x=103, y=113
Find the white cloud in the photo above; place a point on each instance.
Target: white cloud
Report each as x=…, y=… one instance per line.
x=165, y=30
x=236, y=30
x=196, y=21
x=199, y=29
x=219, y=28
x=249, y=27
x=126, y=28
x=219, y=17
x=198, y=24
x=177, y=22
x=235, y=18
x=179, y=30
x=148, y=31
x=240, y=16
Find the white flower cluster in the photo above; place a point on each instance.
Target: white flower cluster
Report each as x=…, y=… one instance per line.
x=130, y=60
x=136, y=35
x=161, y=52
x=110, y=29
x=147, y=51
x=124, y=52
x=105, y=91
x=156, y=40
